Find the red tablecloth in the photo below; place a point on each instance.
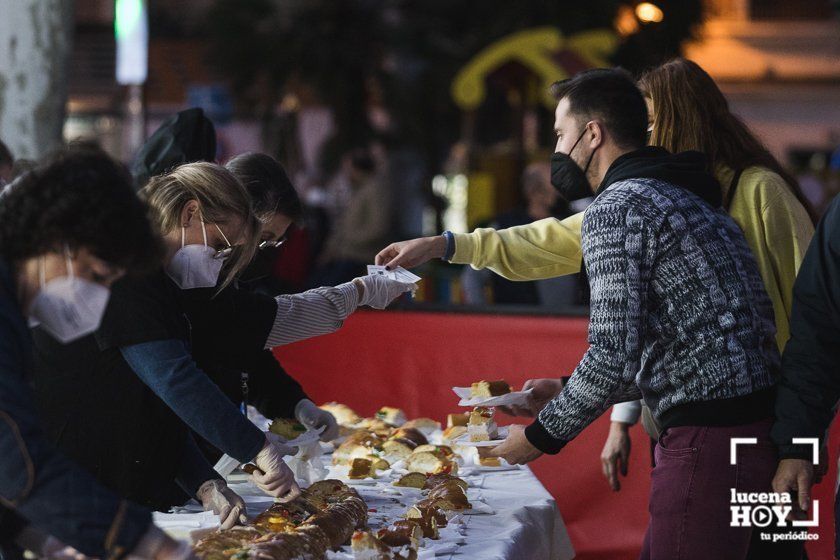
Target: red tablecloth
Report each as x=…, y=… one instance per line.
x=411, y=360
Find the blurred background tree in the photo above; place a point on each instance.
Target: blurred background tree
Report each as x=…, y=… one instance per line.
x=407, y=55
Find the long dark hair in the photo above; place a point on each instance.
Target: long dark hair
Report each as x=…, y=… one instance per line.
x=691, y=113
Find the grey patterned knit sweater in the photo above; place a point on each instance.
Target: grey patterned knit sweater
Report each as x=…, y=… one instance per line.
x=679, y=315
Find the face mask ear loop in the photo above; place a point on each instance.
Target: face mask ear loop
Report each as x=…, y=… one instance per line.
x=204, y=232
x=68, y=261
x=582, y=132
x=223, y=235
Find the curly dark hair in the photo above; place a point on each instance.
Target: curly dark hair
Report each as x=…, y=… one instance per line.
x=83, y=198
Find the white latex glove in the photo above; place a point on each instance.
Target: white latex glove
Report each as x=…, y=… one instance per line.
x=276, y=479
x=314, y=418
x=215, y=496
x=379, y=291
x=157, y=545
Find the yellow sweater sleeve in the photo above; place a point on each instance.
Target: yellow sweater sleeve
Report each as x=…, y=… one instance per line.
x=543, y=249
x=788, y=231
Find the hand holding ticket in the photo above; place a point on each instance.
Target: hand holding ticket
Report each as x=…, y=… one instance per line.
x=398, y=273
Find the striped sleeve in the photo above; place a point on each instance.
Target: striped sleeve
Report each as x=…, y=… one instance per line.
x=312, y=313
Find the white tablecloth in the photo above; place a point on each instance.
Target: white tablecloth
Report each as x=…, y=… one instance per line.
x=515, y=517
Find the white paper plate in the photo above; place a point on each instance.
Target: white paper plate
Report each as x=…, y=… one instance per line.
x=465, y=439
x=508, y=399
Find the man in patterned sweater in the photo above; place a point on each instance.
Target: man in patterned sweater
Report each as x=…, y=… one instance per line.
x=679, y=317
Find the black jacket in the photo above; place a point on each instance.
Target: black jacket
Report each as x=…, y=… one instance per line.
x=810, y=384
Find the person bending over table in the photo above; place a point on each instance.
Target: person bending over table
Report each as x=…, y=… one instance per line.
x=68, y=229
x=140, y=380
x=227, y=342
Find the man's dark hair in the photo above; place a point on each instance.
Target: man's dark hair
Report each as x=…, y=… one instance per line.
x=6, y=157
x=611, y=96
x=268, y=184
x=83, y=198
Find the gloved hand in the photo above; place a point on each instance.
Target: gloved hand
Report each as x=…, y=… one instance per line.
x=313, y=417
x=215, y=496
x=379, y=291
x=277, y=478
x=157, y=545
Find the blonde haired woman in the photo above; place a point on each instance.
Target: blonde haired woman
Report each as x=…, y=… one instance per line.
x=142, y=386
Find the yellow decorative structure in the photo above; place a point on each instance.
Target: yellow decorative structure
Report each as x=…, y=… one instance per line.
x=535, y=49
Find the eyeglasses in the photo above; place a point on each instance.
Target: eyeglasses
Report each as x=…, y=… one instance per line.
x=269, y=244
x=227, y=251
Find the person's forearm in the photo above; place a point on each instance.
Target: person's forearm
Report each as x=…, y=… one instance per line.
x=312, y=313
x=169, y=370
x=194, y=469
x=582, y=400
x=43, y=486
x=64, y=500
x=274, y=392
x=806, y=396
x=543, y=249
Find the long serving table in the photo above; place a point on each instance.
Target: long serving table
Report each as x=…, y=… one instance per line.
x=513, y=516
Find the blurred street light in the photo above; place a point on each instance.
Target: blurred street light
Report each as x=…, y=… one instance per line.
x=648, y=12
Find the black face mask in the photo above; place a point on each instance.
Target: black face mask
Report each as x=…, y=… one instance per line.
x=567, y=176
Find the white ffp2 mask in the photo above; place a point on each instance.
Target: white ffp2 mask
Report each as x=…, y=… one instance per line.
x=68, y=307
x=195, y=266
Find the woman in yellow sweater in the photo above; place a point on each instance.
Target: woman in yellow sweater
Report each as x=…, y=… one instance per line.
x=687, y=111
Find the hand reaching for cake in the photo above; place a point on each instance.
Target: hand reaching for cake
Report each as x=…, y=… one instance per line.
x=516, y=449
x=215, y=496
x=315, y=418
x=276, y=478
x=543, y=390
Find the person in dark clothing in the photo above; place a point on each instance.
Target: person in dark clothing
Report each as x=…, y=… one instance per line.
x=141, y=384
x=210, y=233
x=810, y=385
x=270, y=389
x=68, y=230
x=186, y=137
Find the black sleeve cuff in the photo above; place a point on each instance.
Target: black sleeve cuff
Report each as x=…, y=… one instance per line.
x=539, y=437
x=804, y=452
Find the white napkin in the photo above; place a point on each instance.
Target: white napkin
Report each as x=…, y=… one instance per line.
x=203, y=520
x=308, y=464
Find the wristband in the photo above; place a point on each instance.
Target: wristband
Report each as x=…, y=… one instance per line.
x=450, y=246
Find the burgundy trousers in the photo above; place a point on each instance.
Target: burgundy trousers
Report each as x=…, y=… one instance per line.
x=691, y=487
